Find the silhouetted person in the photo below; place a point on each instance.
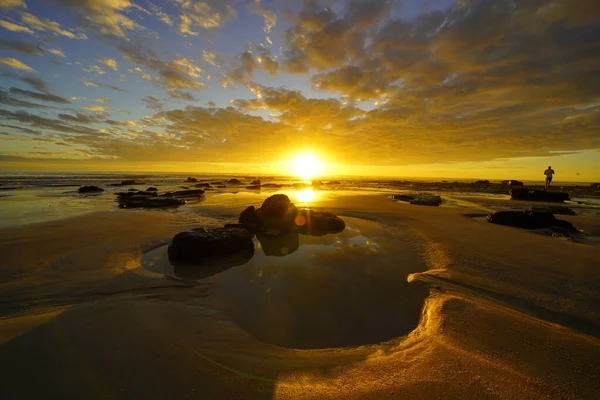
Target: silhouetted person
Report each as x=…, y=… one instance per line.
x=549, y=172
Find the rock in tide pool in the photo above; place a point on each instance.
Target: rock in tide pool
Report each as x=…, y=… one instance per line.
x=90, y=189
x=199, y=246
x=538, y=195
x=529, y=220
x=150, y=202
x=185, y=193
x=426, y=200
x=317, y=223
x=249, y=216
x=277, y=215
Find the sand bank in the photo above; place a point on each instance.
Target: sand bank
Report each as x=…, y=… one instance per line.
x=507, y=314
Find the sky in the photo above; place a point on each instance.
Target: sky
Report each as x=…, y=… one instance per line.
x=495, y=89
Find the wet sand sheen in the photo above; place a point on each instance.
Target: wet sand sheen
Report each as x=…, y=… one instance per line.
x=346, y=289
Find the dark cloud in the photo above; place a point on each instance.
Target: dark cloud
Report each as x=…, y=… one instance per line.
x=22, y=46
x=7, y=99
x=39, y=96
x=153, y=103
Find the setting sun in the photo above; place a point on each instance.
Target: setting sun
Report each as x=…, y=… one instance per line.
x=306, y=166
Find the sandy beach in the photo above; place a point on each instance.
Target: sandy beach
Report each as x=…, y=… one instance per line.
x=433, y=303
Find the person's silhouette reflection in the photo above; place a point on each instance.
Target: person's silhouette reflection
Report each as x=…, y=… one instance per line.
x=279, y=245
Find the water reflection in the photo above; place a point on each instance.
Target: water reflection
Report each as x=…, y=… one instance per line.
x=301, y=291
x=335, y=290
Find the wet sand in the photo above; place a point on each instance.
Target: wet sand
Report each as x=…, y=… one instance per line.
x=504, y=313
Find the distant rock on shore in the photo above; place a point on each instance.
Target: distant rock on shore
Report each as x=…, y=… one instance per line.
x=90, y=189
x=538, y=195
x=529, y=219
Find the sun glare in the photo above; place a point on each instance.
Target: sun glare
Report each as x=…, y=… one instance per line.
x=306, y=166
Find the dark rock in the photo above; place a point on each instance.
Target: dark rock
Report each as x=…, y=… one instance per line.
x=254, y=187
x=300, y=185
x=279, y=245
x=277, y=215
x=595, y=185
x=221, y=186
x=234, y=181
x=505, y=182
x=185, y=193
x=152, y=189
x=529, y=220
x=150, y=202
x=426, y=200
x=317, y=223
x=317, y=183
x=485, y=182
x=403, y=197
x=184, y=187
x=255, y=182
x=444, y=181
x=123, y=195
x=561, y=210
x=515, y=183
x=333, y=183
x=204, y=185
x=249, y=216
x=128, y=182
x=132, y=190
x=90, y=189
x=201, y=245
x=190, y=179
x=538, y=195
x=272, y=185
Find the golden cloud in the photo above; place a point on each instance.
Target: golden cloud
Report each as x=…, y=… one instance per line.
x=109, y=62
x=14, y=63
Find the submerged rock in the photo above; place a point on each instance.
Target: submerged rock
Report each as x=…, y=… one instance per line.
x=529, y=220
x=190, y=179
x=426, y=200
x=90, y=189
x=204, y=185
x=201, y=245
x=318, y=223
x=514, y=183
x=152, y=189
x=482, y=182
x=128, y=182
x=561, y=210
x=538, y=195
x=403, y=197
x=272, y=185
x=334, y=183
x=255, y=182
x=129, y=194
x=150, y=202
x=185, y=193
x=254, y=187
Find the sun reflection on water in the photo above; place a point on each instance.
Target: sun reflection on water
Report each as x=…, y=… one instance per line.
x=306, y=195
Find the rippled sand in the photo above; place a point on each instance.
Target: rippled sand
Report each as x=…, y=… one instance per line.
x=408, y=302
